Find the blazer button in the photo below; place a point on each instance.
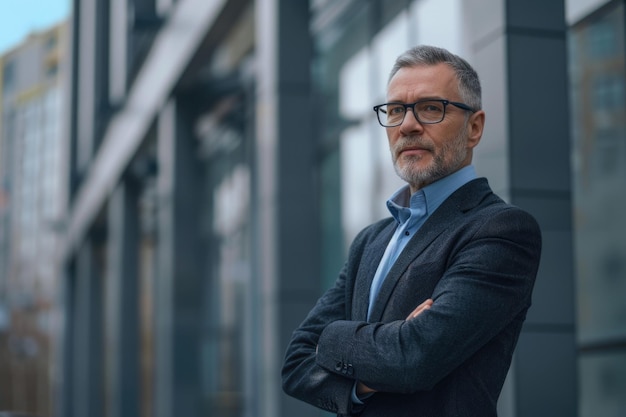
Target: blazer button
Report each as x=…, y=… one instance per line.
x=345, y=369
x=350, y=370
x=338, y=366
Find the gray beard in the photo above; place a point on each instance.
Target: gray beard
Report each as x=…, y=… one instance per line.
x=439, y=168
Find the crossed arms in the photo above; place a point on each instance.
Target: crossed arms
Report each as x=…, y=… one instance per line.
x=362, y=389
x=485, y=287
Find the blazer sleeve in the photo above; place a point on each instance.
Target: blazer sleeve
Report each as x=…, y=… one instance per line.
x=302, y=377
x=486, y=286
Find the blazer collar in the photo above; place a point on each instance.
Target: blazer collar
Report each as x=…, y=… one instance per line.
x=461, y=201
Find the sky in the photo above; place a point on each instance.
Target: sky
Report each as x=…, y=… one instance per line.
x=18, y=18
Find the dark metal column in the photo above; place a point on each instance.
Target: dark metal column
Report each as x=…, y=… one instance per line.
x=179, y=286
x=87, y=375
x=121, y=300
x=519, y=49
x=287, y=226
x=545, y=361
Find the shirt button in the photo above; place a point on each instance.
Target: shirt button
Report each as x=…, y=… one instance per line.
x=406, y=233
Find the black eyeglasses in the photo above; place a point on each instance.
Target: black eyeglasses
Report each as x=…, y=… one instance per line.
x=425, y=111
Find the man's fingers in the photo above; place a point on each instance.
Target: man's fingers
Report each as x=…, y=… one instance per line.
x=420, y=308
x=362, y=389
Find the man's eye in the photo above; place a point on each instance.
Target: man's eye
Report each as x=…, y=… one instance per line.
x=430, y=108
x=395, y=110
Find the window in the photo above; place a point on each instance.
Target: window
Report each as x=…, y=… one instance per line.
x=8, y=77
x=598, y=77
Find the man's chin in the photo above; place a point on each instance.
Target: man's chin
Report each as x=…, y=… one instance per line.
x=414, y=167
x=414, y=175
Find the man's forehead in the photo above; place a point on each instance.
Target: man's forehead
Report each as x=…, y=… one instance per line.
x=423, y=79
x=440, y=70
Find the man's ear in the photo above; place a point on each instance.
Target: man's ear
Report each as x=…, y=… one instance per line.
x=475, y=126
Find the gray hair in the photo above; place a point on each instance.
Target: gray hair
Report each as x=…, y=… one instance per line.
x=469, y=83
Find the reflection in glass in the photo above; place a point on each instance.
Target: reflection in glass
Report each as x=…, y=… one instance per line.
x=597, y=69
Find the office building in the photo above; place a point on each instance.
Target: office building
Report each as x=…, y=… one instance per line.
x=224, y=153
x=32, y=205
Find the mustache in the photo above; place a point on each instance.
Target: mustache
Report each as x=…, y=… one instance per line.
x=412, y=142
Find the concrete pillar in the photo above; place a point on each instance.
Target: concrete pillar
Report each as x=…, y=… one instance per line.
x=286, y=217
x=65, y=385
x=87, y=364
x=179, y=286
x=121, y=303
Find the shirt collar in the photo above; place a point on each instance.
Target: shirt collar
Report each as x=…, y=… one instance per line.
x=430, y=197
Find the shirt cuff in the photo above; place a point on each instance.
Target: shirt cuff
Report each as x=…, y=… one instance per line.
x=355, y=398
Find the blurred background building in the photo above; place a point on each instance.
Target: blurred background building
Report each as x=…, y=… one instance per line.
x=221, y=155
x=32, y=204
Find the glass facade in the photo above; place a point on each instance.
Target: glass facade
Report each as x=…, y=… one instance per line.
x=598, y=77
x=227, y=340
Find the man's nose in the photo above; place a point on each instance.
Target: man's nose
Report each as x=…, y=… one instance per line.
x=410, y=122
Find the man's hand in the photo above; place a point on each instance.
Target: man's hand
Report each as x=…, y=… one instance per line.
x=420, y=309
x=361, y=388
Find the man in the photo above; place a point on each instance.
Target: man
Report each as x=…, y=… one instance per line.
x=425, y=315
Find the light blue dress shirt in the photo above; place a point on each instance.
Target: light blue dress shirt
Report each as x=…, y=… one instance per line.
x=411, y=211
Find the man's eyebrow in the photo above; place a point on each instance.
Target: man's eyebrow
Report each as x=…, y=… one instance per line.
x=419, y=99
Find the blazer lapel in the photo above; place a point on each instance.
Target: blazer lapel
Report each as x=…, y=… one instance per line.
x=464, y=199
x=370, y=259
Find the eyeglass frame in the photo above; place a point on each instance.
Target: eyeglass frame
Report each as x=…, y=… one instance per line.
x=406, y=106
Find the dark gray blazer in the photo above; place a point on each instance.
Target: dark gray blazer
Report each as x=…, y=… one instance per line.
x=477, y=257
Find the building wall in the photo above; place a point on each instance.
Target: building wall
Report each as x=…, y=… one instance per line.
x=155, y=258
